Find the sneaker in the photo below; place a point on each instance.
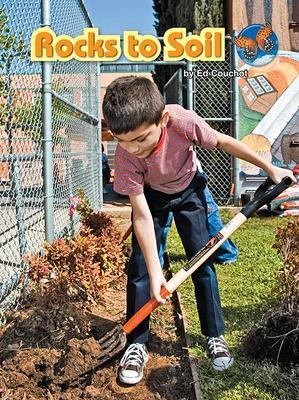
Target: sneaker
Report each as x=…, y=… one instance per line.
x=219, y=353
x=132, y=363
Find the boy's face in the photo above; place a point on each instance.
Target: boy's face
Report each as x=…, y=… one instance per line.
x=142, y=141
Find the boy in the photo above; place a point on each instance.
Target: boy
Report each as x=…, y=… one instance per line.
x=155, y=165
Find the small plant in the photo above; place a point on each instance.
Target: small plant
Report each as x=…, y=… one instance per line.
x=277, y=337
x=83, y=206
x=85, y=264
x=287, y=246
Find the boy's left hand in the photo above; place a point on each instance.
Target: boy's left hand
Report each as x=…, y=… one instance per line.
x=277, y=174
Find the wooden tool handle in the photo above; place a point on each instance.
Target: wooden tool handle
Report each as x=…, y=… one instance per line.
x=144, y=312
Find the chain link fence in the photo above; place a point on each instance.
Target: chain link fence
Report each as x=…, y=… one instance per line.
x=213, y=102
x=75, y=133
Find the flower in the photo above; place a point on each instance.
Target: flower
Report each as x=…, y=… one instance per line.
x=72, y=210
x=74, y=202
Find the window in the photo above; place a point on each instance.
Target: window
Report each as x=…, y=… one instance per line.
x=260, y=85
x=265, y=84
x=245, y=88
x=250, y=97
x=256, y=86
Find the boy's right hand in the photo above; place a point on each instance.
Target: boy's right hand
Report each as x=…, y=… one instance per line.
x=156, y=281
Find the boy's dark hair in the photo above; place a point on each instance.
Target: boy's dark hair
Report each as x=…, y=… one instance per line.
x=131, y=101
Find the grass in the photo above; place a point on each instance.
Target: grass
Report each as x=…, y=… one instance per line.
x=248, y=290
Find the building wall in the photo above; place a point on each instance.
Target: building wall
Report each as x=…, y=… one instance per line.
x=280, y=13
x=281, y=73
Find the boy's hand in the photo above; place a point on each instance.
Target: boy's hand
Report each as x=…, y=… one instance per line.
x=156, y=281
x=277, y=174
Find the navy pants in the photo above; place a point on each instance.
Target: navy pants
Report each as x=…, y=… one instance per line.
x=190, y=214
x=227, y=253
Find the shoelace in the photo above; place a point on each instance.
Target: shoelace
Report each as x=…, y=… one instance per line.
x=217, y=345
x=135, y=355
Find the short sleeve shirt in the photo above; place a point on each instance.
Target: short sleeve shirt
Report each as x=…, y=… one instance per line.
x=172, y=165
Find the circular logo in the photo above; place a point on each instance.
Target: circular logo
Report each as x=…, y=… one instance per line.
x=257, y=44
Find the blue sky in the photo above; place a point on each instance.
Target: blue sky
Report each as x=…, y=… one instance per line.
x=116, y=16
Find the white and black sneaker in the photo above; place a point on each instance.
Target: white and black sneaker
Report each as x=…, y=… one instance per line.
x=132, y=363
x=219, y=353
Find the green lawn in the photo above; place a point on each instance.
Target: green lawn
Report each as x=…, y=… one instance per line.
x=247, y=292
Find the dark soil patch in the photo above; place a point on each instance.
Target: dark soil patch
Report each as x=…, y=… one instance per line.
x=277, y=339
x=47, y=340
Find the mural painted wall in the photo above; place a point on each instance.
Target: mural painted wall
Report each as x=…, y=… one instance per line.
x=269, y=96
x=269, y=111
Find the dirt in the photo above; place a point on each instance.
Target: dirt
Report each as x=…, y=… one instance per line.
x=49, y=340
x=275, y=339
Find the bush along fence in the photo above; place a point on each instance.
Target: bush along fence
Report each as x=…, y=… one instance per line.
x=71, y=300
x=50, y=136
x=80, y=266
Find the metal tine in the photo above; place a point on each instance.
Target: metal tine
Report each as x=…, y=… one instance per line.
x=108, y=342
x=115, y=330
x=106, y=352
x=111, y=342
x=118, y=346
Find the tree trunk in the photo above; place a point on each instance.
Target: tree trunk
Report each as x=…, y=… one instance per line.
x=280, y=23
x=258, y=12
x=240, y=19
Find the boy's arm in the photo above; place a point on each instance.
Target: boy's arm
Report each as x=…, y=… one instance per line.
x=145, y=234
x=241, y=150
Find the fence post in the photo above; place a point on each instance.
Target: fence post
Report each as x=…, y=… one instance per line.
x=99, y=134
x=235, y=123
x=190, y=104
x=180, y=86
x=47, y=133
x=90, y=139
x=189, y=68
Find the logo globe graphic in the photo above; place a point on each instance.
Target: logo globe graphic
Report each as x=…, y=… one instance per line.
x=257, y=44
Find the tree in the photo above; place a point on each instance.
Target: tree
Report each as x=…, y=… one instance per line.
x=13, y=113
x=11, y=46
x=190, y=14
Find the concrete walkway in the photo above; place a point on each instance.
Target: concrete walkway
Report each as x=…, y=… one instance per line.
x=113, y=202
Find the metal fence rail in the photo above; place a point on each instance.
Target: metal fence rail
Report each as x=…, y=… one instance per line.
x=27, y=181
x=173, y=89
